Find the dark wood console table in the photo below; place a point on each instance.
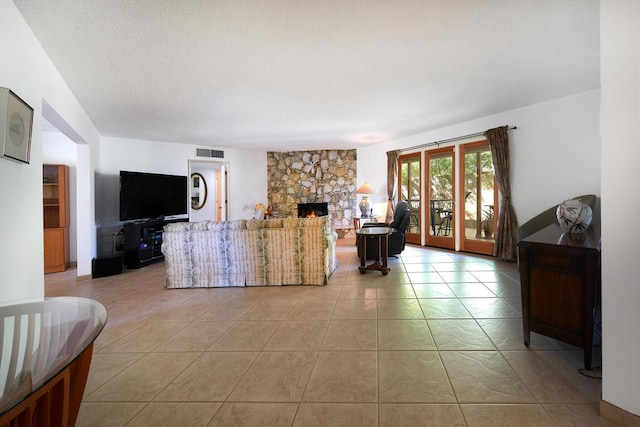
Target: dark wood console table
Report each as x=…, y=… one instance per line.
x=560, y=282
x=380, y=235
x=46, y=349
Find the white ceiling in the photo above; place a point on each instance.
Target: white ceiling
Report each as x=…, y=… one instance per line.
x=288, y=75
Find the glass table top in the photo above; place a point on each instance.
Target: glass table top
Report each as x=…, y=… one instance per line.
x=375, y=231
x=40, y=339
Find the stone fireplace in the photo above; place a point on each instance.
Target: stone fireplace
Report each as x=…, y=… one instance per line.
x=312, y=177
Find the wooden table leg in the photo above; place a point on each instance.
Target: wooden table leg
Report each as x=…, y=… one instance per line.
x=526, y=331
x=376, y=262
x=384, y=250
x=588, y=349
x=524, y=292
x=361, y=241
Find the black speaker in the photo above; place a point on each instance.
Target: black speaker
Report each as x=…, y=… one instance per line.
x=106, y=266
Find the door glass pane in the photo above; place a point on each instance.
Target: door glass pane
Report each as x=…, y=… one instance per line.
x=410, y=190
x=479, y=194
x=441, y=194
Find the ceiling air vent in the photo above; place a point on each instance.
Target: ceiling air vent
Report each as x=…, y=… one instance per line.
x=205, y=152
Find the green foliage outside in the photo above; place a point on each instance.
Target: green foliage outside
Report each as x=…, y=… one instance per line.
x=441, y=182
x=441, y=178
x=470, y=176
x=410, y=180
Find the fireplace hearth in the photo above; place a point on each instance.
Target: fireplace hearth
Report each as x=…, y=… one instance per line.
x=306, y=210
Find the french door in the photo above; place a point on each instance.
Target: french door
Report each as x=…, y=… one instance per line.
x=410, y=191
x=451, y=210
x=480, y=196
x=440, y=192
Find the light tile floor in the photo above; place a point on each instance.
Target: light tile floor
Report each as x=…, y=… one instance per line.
x=438, y=341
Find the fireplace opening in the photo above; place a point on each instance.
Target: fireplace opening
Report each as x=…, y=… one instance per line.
x=310, y=210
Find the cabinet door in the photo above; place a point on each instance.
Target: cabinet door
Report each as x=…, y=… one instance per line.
x=557, y=299
x=55, y=244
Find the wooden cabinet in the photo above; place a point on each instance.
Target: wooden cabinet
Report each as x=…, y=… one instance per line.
x=55, y=209
x=560, y=281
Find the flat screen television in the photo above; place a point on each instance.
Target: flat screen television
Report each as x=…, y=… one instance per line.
x=151, y=195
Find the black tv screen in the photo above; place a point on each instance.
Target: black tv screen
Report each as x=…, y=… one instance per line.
x=151, y=195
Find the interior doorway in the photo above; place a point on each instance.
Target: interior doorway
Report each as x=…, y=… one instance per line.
x=208, y=191
x=86, y=190
x=58, y=149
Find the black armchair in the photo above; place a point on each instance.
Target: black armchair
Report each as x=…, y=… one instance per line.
x=400, y=222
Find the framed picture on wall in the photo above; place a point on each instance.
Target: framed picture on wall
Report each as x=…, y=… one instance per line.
x=16, y=121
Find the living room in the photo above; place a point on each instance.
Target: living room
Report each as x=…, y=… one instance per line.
x=561, y=148
x=547, y=134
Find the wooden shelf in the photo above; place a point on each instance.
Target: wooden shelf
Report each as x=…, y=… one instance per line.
x=55, y=215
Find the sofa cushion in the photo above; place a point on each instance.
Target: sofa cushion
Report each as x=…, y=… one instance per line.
x=255, y=224
x=200, y=225
x=319, y=221
x=273, y=223
x=178, y=226
x=239, y=224
x=226, y=225
x=217, y=226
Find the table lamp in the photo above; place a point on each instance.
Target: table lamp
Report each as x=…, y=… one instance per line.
x=365, y=206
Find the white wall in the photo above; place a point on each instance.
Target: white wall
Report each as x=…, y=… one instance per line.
x=555, y=152
x=27, y=70
x=620, y=124
x=247, y=177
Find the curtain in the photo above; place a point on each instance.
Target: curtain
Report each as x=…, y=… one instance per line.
x=506, y=242
x=392, y=180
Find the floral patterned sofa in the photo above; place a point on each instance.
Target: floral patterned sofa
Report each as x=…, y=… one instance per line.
x=272, y=252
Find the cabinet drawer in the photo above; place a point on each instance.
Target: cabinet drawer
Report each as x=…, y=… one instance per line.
x=557, y=261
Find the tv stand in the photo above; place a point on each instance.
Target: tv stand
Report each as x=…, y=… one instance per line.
x=143, y=243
